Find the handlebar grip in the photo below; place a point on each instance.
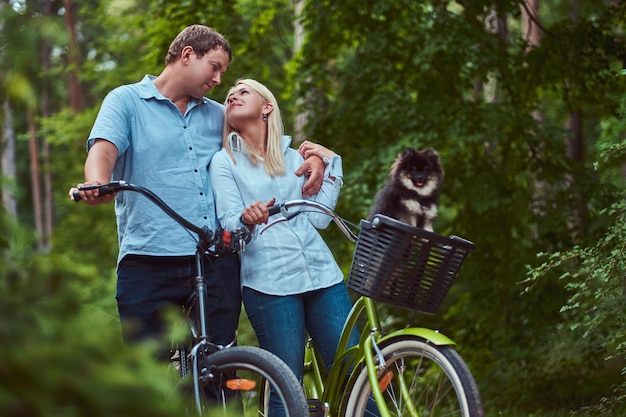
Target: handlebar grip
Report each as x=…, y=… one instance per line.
x=102, y=191
x=274, y=209
x=75, y=196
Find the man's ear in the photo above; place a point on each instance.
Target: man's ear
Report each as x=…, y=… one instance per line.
x=186, y=54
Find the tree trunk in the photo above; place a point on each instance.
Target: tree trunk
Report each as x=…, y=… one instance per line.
x=530, y=23
x=301, y=116
x=33, y=148
x=45, y=146
x=575, y=148
x=73, y=54
x=8, y=161
x=575, y=144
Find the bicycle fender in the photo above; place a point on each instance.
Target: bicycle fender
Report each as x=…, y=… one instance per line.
x=432, y=336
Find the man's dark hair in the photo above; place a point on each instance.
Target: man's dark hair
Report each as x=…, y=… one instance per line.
x=201, y=38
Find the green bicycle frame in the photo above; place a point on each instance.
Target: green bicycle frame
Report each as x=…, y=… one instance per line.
x=329, y=386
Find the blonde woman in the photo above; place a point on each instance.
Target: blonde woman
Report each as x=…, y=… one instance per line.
x=290, y=281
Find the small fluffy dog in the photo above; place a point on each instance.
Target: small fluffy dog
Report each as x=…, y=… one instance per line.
x=411, y=194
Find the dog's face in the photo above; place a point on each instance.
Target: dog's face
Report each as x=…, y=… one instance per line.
x=418, y=170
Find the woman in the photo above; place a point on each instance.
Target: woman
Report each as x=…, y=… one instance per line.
x=290, y=281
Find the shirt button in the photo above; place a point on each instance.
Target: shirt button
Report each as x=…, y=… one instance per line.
x=184, y=127
x=190, y=148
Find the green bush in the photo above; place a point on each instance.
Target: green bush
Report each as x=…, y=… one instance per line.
x=61, y=348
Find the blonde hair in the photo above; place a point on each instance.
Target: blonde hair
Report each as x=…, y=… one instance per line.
x=274, y=158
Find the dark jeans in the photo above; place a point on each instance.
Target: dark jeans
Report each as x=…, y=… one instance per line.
x=281, y=323
x=146, y=285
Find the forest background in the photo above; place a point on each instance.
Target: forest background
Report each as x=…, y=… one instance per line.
x=524, y=100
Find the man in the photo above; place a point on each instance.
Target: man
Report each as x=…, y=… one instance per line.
x=161, y=133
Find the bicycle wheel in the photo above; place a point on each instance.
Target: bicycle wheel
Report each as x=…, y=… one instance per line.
x=240, y=375
x=418, y=379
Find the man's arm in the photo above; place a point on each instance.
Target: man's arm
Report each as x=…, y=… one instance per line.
x=313, y=169
x=98, y=168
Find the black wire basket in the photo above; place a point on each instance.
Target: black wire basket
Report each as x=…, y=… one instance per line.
x=403, y=265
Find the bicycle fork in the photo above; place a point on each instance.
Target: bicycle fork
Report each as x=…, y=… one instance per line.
x=380, y=380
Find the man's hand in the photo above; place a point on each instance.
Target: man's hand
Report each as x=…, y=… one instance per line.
x=91, y=197
x=313, y=170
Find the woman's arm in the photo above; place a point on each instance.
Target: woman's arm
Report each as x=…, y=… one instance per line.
x=228, y=201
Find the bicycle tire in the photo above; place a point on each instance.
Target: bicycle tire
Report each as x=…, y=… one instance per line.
x=253, y=366
x=437, y=379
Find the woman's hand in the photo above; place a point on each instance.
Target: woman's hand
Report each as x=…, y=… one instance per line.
x=308, y=149
x=256, y=213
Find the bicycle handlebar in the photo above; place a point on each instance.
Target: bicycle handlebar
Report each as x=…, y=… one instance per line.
x=275, y=209
x=222, y=239
x=284, y=208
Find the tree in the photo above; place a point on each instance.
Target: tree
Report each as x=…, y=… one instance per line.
x=394, y=74
x=26, y=35
x=595, y=275
x=8, y=161
x=371, y=78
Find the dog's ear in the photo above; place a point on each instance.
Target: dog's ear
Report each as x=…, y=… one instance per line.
x=432, y=154
x=434, y=160
x=406, y=153
x=402, y=156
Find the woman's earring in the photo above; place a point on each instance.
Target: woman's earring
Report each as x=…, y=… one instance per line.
x=265, y=117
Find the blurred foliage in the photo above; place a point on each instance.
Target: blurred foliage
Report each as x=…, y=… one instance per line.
x=61, y=349
x=371, y=78
x=433, y=74
x=595, y=275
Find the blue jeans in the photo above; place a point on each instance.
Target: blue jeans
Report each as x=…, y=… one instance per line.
x=146, y=285
x=281, y=323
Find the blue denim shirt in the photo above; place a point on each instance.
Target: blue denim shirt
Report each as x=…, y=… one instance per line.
x=167, y=152
x=290, y=257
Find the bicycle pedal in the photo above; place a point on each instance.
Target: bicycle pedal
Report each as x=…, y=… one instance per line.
x=317, y=408
x=241, y=384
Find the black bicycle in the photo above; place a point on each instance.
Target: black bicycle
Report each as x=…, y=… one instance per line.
x=227, y=381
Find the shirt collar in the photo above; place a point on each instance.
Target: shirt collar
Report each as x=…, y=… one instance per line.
x=237, y=145
x=148, y=90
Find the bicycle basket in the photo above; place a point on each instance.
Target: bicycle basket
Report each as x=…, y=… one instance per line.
x=403, y=265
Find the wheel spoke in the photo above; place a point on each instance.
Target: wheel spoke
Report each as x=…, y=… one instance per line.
x=237, y=381
x=427, y=381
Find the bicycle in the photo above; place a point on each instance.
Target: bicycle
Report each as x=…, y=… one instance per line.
x=243, y=370
x=413, y=371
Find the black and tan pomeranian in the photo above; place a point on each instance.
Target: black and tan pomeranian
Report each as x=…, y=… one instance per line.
x=411, y=194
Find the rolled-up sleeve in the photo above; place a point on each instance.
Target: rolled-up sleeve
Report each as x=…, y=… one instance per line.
x=329, y=193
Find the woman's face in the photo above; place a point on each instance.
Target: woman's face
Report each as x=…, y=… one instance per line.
x=243, y=104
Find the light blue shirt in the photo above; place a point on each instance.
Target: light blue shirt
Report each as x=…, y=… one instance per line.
x=167, y=152
x=290, y=257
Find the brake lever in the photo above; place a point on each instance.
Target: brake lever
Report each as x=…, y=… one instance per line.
x=286, y=215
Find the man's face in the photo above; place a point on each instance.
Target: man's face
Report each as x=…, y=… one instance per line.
x=206, y=72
